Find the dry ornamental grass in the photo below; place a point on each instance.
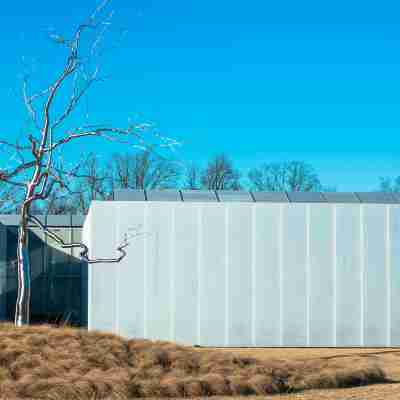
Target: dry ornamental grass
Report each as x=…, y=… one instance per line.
x=44, y=362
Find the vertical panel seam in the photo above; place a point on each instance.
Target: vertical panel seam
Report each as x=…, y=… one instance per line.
x=117, y=273
x=172, y=275
x=388, y=275
x=362, y=273
x=253, y=274
x=226, y=275
x=334, y=253
x=45, y=269
x=4, y=265
x=280, y=234
x=199, y=250
x=89, y=273
x=145, y=246
x=308, y=274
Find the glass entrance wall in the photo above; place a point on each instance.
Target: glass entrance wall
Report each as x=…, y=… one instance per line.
x=58, y=291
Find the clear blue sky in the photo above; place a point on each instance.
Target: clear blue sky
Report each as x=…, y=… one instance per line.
x=260, y=80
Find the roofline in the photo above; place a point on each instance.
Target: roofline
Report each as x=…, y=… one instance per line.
x=217, y=196
x=255, y=196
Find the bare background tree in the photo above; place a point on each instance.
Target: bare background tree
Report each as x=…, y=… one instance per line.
x=91, y=182
x=389, y=185
x=220, y=174
x=10, y=198
x=293, y=176
x=35, y=163
x=144, y=170
x=191, y=178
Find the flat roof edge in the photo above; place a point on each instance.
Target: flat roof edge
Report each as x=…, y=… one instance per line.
x=225, y=196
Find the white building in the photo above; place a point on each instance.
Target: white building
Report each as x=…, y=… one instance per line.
x=248, y=269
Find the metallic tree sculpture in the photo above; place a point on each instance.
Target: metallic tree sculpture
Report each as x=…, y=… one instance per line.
x=44, y=171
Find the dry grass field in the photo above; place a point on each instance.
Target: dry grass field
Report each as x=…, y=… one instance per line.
x=387, y=359
x=67, y=363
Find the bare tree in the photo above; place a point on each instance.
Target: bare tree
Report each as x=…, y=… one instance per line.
x=93, y=181
x=192, y=178
x=36, y=165
x=144, y=170
x=58, y=205
x=293, y=176
x=389, y=185
x=74, y=198
x=90, y=181
x=10, y=198
x=55, y=204
x=220, y=174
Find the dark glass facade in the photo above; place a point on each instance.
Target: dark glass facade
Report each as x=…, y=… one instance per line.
x=59, y=278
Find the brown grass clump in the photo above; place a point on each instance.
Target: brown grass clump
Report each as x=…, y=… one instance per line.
x=44, y=362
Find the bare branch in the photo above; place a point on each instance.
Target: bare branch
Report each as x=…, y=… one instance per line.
x=98, y=9
x=74, y=100
x=28, y=100
x=11, y=182
x=95, y=132
x=85, y=250
x=14, y=146
x=10, y=198
x=6, y=175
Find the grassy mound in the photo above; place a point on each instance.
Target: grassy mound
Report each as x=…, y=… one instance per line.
x=68, y=363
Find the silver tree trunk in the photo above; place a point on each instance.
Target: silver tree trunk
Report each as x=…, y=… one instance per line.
x=22, y=309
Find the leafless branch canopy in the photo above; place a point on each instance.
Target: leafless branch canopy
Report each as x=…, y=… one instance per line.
x=220, y=174
x=292, y=176
x=33, y=163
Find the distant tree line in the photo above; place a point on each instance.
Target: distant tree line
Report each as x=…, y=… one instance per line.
x=97, y=178
x=390, y=185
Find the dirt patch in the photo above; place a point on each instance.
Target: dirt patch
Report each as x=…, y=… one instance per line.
x=68, y=363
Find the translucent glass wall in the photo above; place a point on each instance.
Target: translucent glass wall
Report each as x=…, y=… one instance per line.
x=248, y=274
